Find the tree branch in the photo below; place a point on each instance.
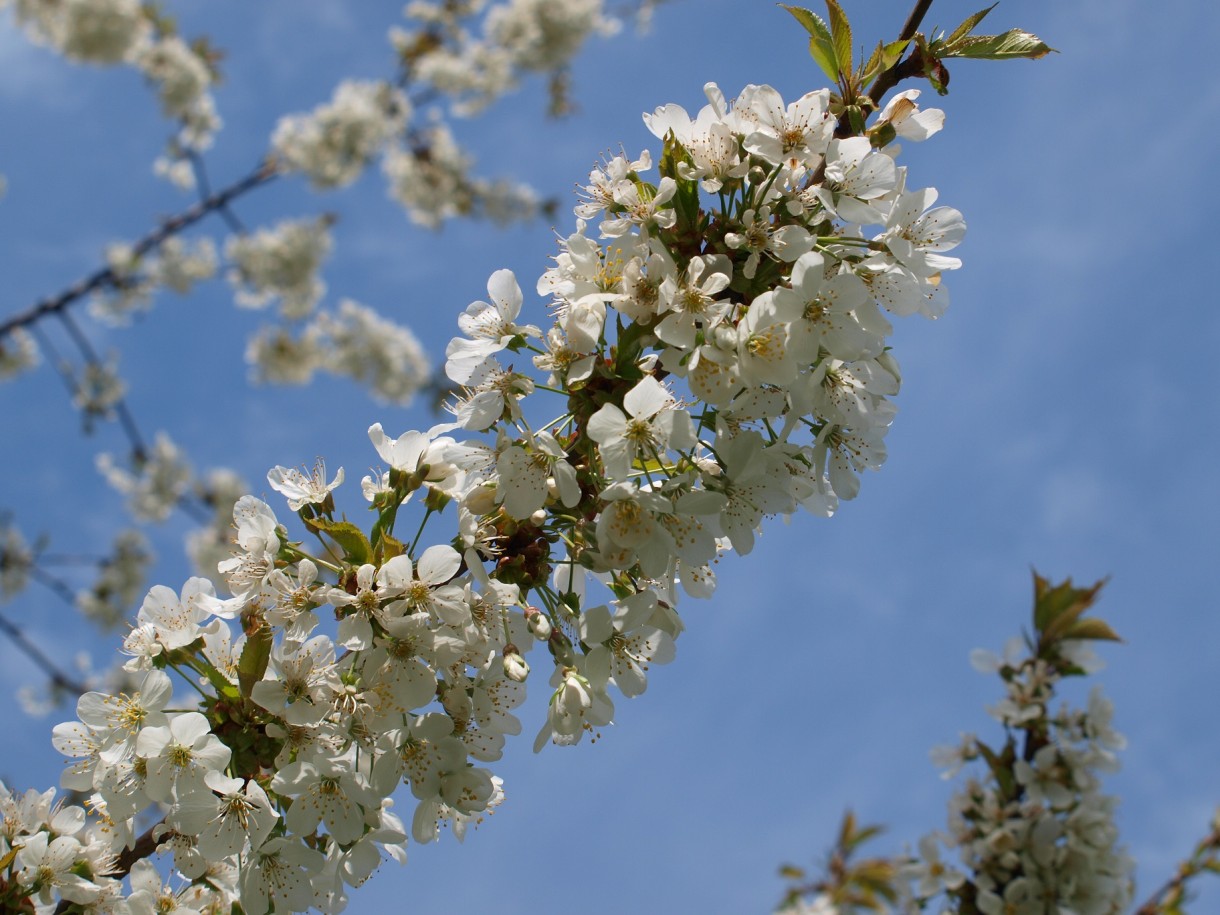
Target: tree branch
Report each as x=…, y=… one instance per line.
x=36, y=654
x=1174, y=889
x=144, y=846
x=903, y=69
x=107, y=277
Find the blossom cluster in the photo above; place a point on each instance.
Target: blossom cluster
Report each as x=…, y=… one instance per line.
x=720, y=353
x=1046, y=833
x=1033, y=832
x=127, y=32
x=177, y=263
x=466, y=54
x=280, y=263
x=472, y=67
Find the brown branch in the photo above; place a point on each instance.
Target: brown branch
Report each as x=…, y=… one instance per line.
x=903, y=69
x=38, y=656
x=108, y=277
x=144, y=846
x=1174, y=889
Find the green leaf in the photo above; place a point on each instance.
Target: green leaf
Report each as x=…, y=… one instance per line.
x=12, y=856
x=390, y=547
x=968, y=25
x=840, y=30
x=1011, y=45
x=254, y=658
x=356, y=547
x=1050, y=601
x=821, y=44
x=892, y=52
x=872, y=66
x=1091, y=629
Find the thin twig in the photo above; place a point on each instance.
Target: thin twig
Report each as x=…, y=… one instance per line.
x=52, y=583
x=107, y=276
x=89, y=354
x=63, y=368
x=36, y=654
x=1175, y=886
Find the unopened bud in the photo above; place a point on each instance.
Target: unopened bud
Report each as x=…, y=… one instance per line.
x=561, y=649
x=436, y=500
x=725, y=338
x=538, y=623
x=481, y=500
x=515, y=667
x=539, y=517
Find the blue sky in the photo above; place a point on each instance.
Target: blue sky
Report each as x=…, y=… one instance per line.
x=1057, y=417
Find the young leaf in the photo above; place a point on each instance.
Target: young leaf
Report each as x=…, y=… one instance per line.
x=821, y=44
x=254, y=658
x=840, y=30
x=1050, y=601
x=1091, y=629
x=355, y=545
x=1009, y=46
x=892, y=52
x=968, y=26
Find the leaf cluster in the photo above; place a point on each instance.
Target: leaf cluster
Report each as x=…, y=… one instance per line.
x=861, y=86
x=867, y=885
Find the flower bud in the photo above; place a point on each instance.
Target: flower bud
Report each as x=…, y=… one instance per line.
x=481, y=500
x=725, y=338
x=436, y=499
x=561, y=649
x=515, y=667
x=539, y=517
x=538, y=624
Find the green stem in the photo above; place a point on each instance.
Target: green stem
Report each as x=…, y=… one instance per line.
x=419, y=533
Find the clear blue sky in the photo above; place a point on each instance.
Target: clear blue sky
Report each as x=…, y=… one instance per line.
x=1062, y=415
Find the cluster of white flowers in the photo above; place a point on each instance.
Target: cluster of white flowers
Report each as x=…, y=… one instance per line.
x=126, y=31
x=473, y=66
x=1035, y=831
x=432, y=182
x=183, y=80
x=18, y=353
x=356, y=343
x=362, y=345
x=428, y=172
x=280, y=263
x=154, y=487
x=176, y=263
x=277, y=356
x=98, y=389
x=121, y=577
x=748, y=377
x=91, y=31
x=53, y=853
x=334, y=143
x=180, y=263
x=540, y=35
